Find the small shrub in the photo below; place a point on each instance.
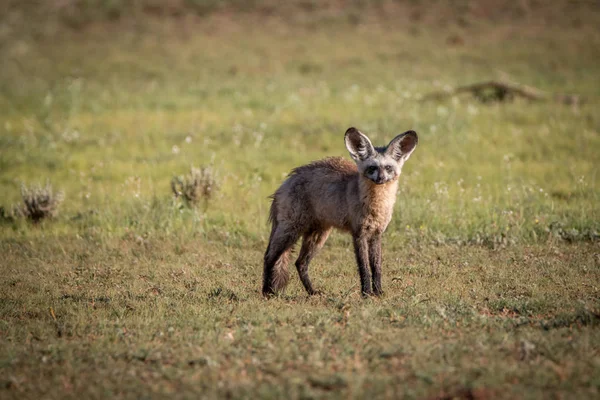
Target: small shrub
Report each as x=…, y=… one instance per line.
x=199, y=184
x=38, y=202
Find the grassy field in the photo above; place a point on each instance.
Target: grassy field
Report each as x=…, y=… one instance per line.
x=491, y=263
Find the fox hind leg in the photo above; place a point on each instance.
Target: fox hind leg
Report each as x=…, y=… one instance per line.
x=311, y=244
x=276, y=274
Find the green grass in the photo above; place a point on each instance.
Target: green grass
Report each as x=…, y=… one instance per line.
x=491, y=263
x=185, y=318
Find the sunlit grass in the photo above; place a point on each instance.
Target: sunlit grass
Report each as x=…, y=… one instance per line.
x=490, y=261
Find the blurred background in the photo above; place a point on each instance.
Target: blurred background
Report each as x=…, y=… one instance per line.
x=140, y=140
x=113, y=102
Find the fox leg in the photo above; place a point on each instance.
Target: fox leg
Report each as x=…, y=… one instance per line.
x=311, y=244
x=276, y=274
x=375, y=261
x=361, y=250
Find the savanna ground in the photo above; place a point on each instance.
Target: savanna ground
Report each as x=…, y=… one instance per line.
x=491, y=263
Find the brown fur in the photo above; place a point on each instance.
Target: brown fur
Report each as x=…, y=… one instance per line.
x=317, y=197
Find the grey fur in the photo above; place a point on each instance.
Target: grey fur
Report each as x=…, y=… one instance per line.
x=335, y=193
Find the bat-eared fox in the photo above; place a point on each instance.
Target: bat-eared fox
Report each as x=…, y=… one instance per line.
x=335, y=193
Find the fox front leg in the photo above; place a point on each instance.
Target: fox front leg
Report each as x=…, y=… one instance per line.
x=375, y=262
x=361, y=250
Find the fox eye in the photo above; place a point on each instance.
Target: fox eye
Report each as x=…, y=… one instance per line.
x=371, y=170
x=388, y=168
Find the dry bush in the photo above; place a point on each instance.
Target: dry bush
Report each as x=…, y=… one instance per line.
x=38, y=202
x=199, y=184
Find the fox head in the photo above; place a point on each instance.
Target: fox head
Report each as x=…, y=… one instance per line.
x=380, y=164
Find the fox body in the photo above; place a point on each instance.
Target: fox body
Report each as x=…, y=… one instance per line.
x=357, y=197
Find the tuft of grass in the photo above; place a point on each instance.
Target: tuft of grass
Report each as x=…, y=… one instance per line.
x=39, y=202
x=199, y=185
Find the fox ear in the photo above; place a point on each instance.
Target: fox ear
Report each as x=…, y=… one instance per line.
x=403, y=145
x=358, y=145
